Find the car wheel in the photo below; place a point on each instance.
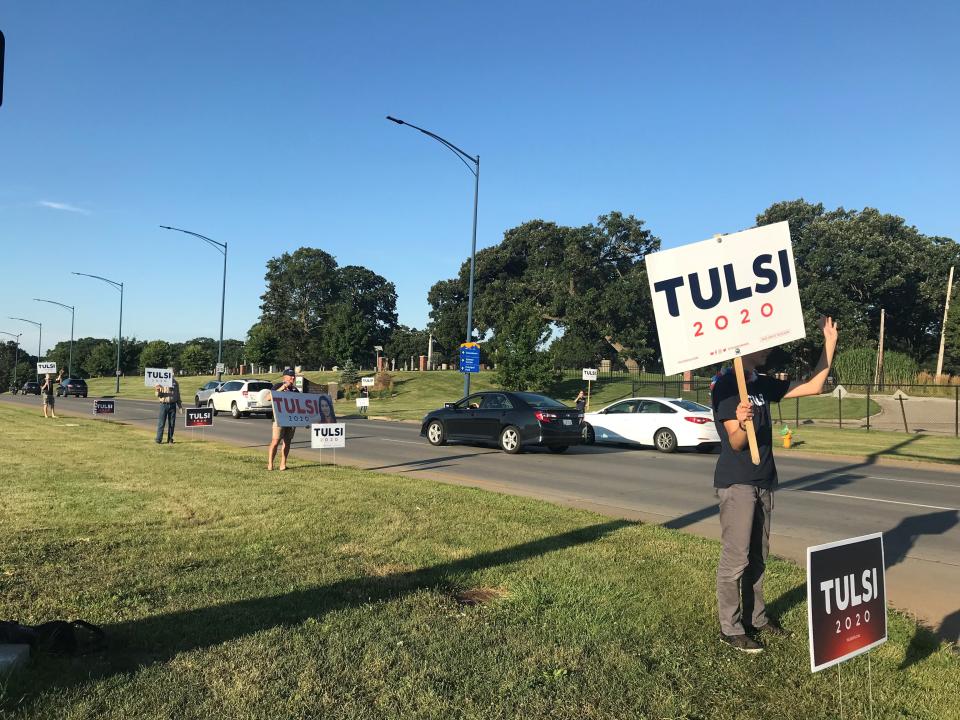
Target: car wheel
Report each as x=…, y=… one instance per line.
x=558, y=448
x=214, y=408
x=84, y=396
x=587, y=434
x=510, y=440
x=196, y=401
x=235, y=411
x=436, y=434
x=665, y=440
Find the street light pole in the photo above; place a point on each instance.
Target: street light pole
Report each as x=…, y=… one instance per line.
x=16, y=354
x=72, y=310
x=221, y=247
x=475, y=170
x=118, y=286
x=39, y=338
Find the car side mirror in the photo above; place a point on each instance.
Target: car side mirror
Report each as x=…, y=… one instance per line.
x=450, y=406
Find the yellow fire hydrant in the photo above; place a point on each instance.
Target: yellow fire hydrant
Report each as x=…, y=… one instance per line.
x=787, y=437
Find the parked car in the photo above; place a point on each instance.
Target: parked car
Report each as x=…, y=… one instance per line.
x=240, y=398
x=204, y=393
x=30, y=387
x=512, y=420
x=664, y=423
x=73, y=386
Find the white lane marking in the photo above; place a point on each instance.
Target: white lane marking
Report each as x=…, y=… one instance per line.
x=860, y=497
x=915, y=482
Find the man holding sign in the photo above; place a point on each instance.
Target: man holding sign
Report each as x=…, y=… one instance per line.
x=746, y=490
x=736, y=297
x=282, y=435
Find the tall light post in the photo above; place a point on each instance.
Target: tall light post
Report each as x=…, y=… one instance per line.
x=221, y=247
x=73, y=312
x=16, y=354
x=475, y=170
x=39, y=337
x=117, y=286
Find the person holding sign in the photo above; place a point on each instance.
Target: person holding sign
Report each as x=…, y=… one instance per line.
x=49, y=394
x=169, y=404
x=746, y=490
x=282, y=435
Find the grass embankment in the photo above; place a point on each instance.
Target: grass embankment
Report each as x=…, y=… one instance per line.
x=417, y=393
x=331, y=592
x=876, y=443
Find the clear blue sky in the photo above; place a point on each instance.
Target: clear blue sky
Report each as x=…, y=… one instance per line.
x=262, y=124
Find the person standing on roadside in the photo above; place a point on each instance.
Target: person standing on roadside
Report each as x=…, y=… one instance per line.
x=746, y=490
x=49, y=394
x=365, y=394
x=282, y=435
x=581, y=401
x=169, y=405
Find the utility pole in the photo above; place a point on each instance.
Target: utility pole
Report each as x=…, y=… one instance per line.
x=943, y=329
x=430, y=353
x=878, y=375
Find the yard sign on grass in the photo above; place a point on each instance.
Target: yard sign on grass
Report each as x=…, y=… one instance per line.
x=846, y=599
x=724, y=298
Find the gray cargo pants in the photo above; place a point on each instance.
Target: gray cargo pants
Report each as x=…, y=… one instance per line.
x=745, y=526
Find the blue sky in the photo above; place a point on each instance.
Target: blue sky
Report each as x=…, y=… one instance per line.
x=262, y=125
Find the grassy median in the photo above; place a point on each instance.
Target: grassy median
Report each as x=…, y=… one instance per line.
x=331, y=592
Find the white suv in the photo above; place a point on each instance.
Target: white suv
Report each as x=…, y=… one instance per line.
x=240, y=397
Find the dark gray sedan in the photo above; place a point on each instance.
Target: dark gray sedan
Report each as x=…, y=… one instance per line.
x=512, y=420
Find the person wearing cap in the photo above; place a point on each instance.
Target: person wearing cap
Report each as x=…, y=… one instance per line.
x=169, y=404
x=282, y=434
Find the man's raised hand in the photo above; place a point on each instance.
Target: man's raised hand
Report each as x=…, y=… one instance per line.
x=829, y=328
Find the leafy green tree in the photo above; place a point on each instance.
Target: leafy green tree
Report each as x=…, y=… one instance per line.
x=590, y=281
x=406, y=342
x=263, y=345
x=196, y=360
x=321, y=313
x=851, y=264
x=522, y=364
x=102, y=359
x=156, y=353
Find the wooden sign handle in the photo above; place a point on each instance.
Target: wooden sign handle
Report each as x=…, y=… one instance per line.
x=751, y=431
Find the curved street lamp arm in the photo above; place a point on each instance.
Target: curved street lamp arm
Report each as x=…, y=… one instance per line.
x=32, y=322
x=222, y=247
x=71, y=308
x=115, y=284
x=461, y=154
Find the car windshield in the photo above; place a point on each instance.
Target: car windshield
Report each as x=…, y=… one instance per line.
x=539, y=401
x=690, y=406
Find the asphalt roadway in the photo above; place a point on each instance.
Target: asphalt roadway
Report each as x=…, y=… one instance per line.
x=821, y=499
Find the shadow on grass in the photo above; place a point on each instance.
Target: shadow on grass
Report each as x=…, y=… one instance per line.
x=140, y=643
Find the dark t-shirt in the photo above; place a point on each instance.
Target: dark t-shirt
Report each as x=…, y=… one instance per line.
x=735, y=467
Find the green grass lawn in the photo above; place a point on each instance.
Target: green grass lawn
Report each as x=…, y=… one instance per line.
x=928, y=448
x=329, y=592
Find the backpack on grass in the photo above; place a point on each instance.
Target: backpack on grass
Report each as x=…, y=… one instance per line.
x=58, y=637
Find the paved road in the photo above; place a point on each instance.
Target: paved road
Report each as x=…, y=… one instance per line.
x=916, y=506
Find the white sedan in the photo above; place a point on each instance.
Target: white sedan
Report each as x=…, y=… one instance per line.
x=665, y=423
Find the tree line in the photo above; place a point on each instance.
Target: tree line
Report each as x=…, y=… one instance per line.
x=550, y=296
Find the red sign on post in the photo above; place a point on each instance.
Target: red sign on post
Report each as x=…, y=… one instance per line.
x=846, y=599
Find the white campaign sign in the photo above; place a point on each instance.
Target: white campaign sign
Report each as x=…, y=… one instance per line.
x=368, y=381
x=722, y=298
x=328, y=435
x=158, y=376
x=590, y=374
x=363, y=402
x=47, y=367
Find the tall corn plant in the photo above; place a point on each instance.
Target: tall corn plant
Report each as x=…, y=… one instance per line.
x=857, y=365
